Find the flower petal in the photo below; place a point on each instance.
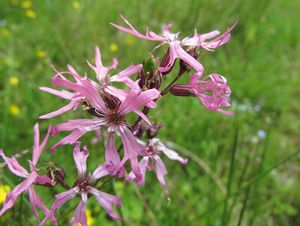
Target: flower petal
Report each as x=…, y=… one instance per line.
x=14, y=194
x=38, y=148
x=221, y=40
x=99, y=172
x=13, y=165
x=143, y=167
x=133, y=31
x=78, y=127
x=169, y=60
x=72, y=105
x=70, y=139
x=124, y=76
x=187, y=58
x=35, y=202
x=106, y=201
x=63, y=93
x=136, y=99
x=80, y=156
x=161, y=170
x=132, y=149
x=168, y=152
x=80, y=215
x=112, y=158
x=63, y=197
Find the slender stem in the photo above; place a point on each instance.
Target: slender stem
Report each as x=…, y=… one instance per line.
x=64, y=185
x=166, y=90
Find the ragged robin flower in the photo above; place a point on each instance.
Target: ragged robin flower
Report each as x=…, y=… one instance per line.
x=84, y=186
x=207, y=41
x=152, y=161
x=30, y=178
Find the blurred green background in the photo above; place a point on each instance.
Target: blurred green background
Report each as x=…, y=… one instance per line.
x=243, y=170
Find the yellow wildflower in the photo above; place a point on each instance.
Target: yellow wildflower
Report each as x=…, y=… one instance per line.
x=40, y=53
x=4, y=189
x=129, y=40
x=90, y=218
x=14, y=110
x=113, y=47
x=26, y=4
x=30, y=13
x=14, y=81
x=5, y=32
x=76, y=4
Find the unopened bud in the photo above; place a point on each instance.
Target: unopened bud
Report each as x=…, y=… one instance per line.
x=185, y=67
x=155, y=82
x=165, y=61
x=149, y=77
x=142, y=81
x=153, y=130
x=181, y=90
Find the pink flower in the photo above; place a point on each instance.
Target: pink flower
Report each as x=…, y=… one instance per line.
x=105, y=79
x=212, y=91
x=30, y=178
x=84, y=186
x=151, y=153
x=75, y=97
x=209, y=41
x=176, y=46
x=113, y=118
x=103, y=85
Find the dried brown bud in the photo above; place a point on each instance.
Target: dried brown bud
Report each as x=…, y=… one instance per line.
x=56, y=174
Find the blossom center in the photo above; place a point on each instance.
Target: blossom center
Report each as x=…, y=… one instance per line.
x=151, y=150
x=115, y=118
x=83, y=184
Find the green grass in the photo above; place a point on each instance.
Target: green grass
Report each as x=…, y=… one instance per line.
x=230, y=179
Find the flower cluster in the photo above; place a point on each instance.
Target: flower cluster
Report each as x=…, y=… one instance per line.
x=131, y=149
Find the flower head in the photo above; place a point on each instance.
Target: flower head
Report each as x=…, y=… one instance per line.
x=83, y=84
x=212, y=91
x=14, y=110
x=176, y=45
x=14, y=80
x=112, y=118
x=151, y=160
x=84, y=186
x=30, y=178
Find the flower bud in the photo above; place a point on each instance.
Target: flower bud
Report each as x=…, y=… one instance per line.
x=153, y=130
x=149, y=76
x=181, y=90
x=165, y=61
x=185, y=67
